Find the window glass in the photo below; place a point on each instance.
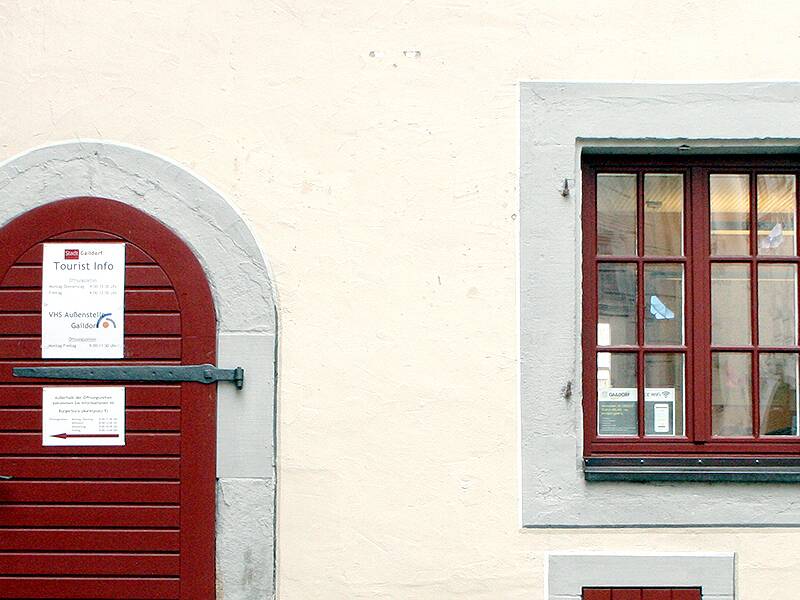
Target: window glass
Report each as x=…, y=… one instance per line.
x=663, y=214
x=616, y=304
x=731, y=383
x=663, y=394
x=776, y=215
x=777, y=305
x=730, y=215
x=616, y=214
x=617, y=394
x=778, y=393
x=663, y=297
x=730, y=304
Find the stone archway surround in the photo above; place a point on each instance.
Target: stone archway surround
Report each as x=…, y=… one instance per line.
x=246, y=324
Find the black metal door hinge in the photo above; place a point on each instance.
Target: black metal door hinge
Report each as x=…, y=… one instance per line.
x=193, y=373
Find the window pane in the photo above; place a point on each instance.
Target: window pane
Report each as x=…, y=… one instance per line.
x=616, y=304
x=730, y=304
x=731, y=410
x=617, y=406
x=663, y=214
x=616, y=214
x=730, y=215
x=777, y=305
x=663, y=296
x=776, y=214
x=778, y=391
x=663, y=394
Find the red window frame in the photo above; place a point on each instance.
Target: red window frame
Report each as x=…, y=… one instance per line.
x=697, y=440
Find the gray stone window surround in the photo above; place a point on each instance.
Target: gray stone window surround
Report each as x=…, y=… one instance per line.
x=558, y=123
x=567, y=573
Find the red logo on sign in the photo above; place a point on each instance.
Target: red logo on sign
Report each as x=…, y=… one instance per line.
x=72, y=254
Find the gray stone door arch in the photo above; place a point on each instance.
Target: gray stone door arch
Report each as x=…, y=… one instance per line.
x=240, y=281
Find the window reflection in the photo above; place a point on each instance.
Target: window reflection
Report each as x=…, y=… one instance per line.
x=730, y=304
x=663, y=214
x=731, y=381
x=616, y=214
x=730, y=215
x=663, y=294
x=616, y=308
x=778, y=391
x=776, y=215
x=777, y=304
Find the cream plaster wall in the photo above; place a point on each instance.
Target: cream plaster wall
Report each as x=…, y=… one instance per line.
x=373, y=146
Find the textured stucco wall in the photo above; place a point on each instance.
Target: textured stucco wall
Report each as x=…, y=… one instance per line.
x=374, y=148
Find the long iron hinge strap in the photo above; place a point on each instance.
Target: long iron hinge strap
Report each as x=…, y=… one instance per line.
x=193, y=373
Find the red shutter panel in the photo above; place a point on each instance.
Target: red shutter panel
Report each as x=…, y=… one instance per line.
x=692, y=594
x=657, y=594
x=641, y=594
x=626, y=594
x=596, y=594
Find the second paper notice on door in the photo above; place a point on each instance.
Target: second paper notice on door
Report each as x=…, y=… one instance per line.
x=83, y=416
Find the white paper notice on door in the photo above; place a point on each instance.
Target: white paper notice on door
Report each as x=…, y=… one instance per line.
x=83, y=416
x=83, y=300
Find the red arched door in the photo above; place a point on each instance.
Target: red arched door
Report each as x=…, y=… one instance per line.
x=133, y=521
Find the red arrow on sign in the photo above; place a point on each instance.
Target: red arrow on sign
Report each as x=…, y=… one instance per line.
x=64, y=436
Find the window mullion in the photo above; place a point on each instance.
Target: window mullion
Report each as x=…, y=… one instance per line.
x=700, y=303
x=754, y=380
x=688, y=310
x=640, y=312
